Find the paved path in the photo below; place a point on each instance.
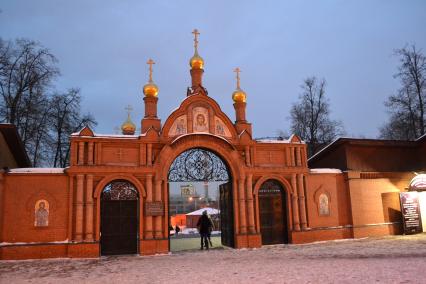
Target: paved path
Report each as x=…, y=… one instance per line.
x=400, y=259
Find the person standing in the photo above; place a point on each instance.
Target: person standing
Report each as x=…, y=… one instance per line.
x=204, y=226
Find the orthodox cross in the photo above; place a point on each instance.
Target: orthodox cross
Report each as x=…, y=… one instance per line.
x=129, y=109
x=119, y=154
x=237, y=71
x=150, y=63
x=196, y=33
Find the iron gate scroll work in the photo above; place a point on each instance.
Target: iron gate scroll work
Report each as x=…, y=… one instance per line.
x=198, y=165
x=204, y=166
x=272, y=211
x=119, y=216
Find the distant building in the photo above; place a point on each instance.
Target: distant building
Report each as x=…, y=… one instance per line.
x=374, y=172
x=192, y=217
x=12, y=150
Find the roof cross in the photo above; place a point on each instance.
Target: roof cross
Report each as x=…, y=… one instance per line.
x=196, y=33
x=237, y=71
x=129, y=109
x=119, y=154
x=150, y=63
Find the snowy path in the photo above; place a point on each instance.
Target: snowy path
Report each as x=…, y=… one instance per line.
x=400, y=259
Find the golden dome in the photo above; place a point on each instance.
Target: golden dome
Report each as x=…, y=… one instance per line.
x=150, y=90
x=239, y=96
x=196, y=62
x=128, y=127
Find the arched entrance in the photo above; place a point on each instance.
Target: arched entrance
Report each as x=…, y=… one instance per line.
x=119, y=218
x=273, y=213
x=200, y=180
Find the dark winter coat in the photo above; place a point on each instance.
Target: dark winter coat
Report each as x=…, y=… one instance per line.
x=204, y=224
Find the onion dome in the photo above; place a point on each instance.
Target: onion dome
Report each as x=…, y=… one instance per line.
x=196, y=62
x=150, y=89
x=128, y=127
x=239, y=96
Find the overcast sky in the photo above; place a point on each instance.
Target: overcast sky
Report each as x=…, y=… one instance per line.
x=103, y=46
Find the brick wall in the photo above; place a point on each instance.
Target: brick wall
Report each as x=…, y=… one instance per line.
x=20, y=194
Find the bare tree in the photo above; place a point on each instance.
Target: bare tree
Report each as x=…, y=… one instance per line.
x=65, y=119
x=26, y=72
x=407, y=107
x=310, y=117
x=44, y=121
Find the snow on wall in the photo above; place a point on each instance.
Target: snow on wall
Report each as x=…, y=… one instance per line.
x=286, y=141
x=31, y=243
x=37, y=171
x=325, y=171
x=96, y=135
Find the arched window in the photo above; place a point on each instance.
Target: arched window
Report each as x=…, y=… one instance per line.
x=120, y=190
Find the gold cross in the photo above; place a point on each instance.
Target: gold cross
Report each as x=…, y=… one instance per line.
x=238, y=70
x=150, y=62
x=119, y=154
x=196, y=33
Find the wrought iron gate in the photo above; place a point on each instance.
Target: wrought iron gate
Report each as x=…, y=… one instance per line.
x=226, y=215
x=273, y=217
x=119, y=219
x=199, y=165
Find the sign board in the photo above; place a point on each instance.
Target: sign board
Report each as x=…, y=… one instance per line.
x=410, y=212
x=154, y=208
x=187, y=190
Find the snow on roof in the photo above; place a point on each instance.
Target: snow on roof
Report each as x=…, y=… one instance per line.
x=272, y=141
x=325, y=148
x=37, y=171
x=30, y=243
x=325, y=171
x=116, y=135
x=277, y=140
x=421, y=137
x=96, y=135
x=199, y=212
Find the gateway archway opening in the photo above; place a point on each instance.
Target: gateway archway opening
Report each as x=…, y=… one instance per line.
x=273, y=213
x=119, y=218
x=199, y=180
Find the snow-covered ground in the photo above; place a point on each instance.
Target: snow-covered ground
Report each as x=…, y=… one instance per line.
x=399, y=259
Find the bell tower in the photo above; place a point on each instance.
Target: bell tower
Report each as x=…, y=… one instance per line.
x=150, y=91
x=197, y=69
x=240, y=97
